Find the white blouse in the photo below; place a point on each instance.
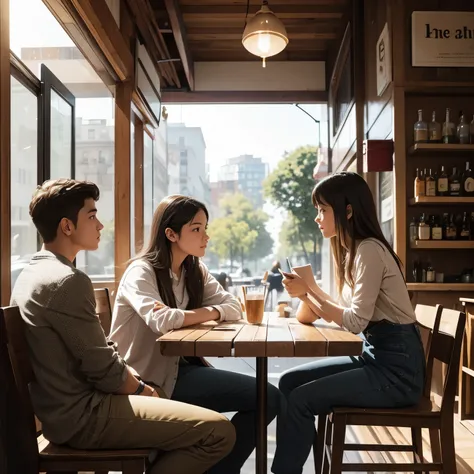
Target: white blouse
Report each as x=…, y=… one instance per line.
x=379, y=289
x=136, y=324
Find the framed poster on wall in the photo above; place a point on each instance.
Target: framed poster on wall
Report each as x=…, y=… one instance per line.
x=442, y=39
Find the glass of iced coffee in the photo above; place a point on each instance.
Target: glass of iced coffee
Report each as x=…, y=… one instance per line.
x=254, y=297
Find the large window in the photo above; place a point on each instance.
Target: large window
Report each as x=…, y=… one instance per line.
x=38, y=39
x=24, y=169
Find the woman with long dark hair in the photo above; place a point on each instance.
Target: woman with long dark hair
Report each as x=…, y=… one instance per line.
x=373, y=299
x=167, y=287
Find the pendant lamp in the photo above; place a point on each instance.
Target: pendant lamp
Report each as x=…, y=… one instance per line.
x=265, y=35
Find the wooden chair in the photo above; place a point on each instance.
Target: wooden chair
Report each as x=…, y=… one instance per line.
x=442, y=346
x=103, y=308
x=38, y=455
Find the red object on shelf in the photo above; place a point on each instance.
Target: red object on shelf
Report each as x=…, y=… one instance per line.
x=378, y=155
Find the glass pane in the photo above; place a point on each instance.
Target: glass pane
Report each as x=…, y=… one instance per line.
x=24, y=156
x=132, y=188
x=147, y=187
x=61, y=137
x=95, y=162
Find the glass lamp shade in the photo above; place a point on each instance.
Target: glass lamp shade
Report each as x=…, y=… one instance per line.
x=265, y=35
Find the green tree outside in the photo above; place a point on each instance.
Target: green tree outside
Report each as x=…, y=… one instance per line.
x=289, y=186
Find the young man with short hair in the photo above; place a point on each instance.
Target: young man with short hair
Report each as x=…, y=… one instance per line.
x=85, y=395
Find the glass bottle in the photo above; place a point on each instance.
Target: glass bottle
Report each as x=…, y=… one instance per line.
x=430, y=185
x=436, y=229
x=451, y=231
x=424, y=230
x=467, y=182
x=434, y=129
x=471, y=130
x=417, y=268
x=465, y=230
x=471, y=224
x=445, y=225
x=419, y=184
x=463, y=130
x=454, y=183
x=430, y=274
x=449, y=130
x=413, y=230
x=420, y=129
x=442, y=185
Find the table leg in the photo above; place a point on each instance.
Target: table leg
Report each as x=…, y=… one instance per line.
x=261, y=445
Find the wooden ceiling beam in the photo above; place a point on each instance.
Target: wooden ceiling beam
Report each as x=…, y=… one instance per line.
x=212, y=56
x=100, y=22
x=237, y=36
x=282, y=11
x=223, y=45
x=244, y=97
x=259, y=2
x=179, y=33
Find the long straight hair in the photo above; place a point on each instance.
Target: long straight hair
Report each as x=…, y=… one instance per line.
x=339, y=191
x=174, y=212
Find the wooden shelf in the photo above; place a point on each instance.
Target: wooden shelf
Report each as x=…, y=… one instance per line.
x=442, y=244
x=440, y=286
x=439, y=147
x=427, y=200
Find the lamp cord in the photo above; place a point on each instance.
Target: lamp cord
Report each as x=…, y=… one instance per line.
x=247, y=13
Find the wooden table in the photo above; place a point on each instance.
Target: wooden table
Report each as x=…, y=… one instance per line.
x=275, y=337
x=466, y=375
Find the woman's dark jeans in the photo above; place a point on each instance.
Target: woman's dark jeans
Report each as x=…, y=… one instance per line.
x=390, y=373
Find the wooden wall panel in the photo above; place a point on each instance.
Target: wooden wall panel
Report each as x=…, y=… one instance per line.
x=5, y=225
x=376, y=15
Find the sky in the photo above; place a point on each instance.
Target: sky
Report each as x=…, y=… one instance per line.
x=263, y=130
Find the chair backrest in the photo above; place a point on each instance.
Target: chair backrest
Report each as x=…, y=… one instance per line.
x=103, y=308
x=14, y=347
x=444, y=345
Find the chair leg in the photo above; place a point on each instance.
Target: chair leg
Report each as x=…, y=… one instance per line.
x=338, y=438
x=417, y=441
x=448, y=454
x=319, y=444
x=435, y=445
x=136, y=466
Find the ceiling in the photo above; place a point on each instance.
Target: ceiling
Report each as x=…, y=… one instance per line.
x=211, y=30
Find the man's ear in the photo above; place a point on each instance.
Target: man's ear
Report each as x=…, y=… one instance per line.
x=66, y=226
x=170, y=235
x=349, y=211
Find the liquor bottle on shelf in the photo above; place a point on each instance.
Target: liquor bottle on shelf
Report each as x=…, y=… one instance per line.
x=445, y=225
x=413, y=230
x=471, y=130
x=454, y=183
x=465, y=231
x=463, y=130
x=471, y=225
x=430, y=274
x=442, y=185
x=419, y=184
x=436, y=229
x=451, y=231
x=467, y=181
x=434, y=129
x=420, y=129
x=424, y=230
x=449, y=130
x=430, y=184
x=417, y=270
